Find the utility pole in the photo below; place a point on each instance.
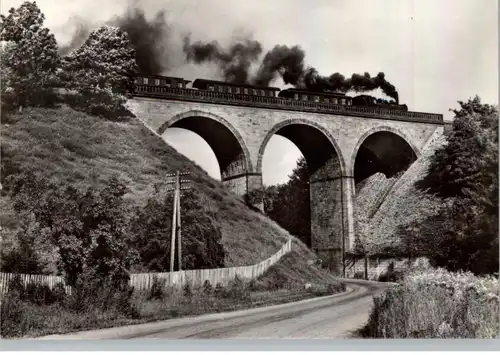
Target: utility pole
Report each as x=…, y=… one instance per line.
x=176, y=218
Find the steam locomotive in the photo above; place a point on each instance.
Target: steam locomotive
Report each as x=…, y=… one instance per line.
x=154, y=83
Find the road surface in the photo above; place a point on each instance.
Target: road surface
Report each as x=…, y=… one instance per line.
x=324, y=317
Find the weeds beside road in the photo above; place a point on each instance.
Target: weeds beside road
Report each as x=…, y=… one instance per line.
x=39, y=311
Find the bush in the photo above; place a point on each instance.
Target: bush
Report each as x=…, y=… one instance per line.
x=237, y=289
x=157, y=290
x=91, y=293
x=436, y=304
x=336, y=288
x=38, y=294
x=207, y=288
x=360, y=275
x=188, y=292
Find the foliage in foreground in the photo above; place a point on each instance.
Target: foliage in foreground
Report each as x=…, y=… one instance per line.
x=464, y=235
x=96, y=231
x=436, y=303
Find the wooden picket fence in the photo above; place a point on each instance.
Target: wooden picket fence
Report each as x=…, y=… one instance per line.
x=26, y=279
x=222, y=276
x=144, y=281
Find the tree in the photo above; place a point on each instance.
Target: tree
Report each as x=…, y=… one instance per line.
x=464, y=236
x=295, y=193
x=30, y=57
x=101, y=71
x=456, y=169
x=90, y=229
x=201, y=235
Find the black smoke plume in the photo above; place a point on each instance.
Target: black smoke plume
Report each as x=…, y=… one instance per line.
x=148, y=38
x=358, y=83
x=234, y=62
x=284, y=61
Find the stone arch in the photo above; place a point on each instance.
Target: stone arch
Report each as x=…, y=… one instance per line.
x=226, y=142
x=380, y=129
x=328, y=191
x=276, y=128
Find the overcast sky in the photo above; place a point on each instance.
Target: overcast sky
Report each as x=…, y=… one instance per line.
x=435, y=52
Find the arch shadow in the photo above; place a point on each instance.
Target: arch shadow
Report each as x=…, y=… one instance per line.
x=375, y=130
x=213, y=129
x=276, y=128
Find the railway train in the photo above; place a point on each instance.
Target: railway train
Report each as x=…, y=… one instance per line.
x=336, y=98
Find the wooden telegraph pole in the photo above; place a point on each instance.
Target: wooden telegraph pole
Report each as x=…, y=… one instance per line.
x=176, y=218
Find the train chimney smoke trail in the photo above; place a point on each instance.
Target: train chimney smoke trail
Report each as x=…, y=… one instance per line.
x=233, y=62
x=284, y=61
x=357, y=82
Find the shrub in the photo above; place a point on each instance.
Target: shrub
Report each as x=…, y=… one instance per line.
x=220, y=292
x=103, y=294
x=334, y=288
x=188, y=292
x=237, y=289
x=157, y=289
x=436, y=304
x=360, y=275
x=207, y=287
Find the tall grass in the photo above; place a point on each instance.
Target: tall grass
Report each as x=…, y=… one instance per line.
x=436, y=304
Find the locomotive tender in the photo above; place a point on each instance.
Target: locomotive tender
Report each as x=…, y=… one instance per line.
x=335, y=98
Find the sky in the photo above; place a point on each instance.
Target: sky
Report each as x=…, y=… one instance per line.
x=436, y=52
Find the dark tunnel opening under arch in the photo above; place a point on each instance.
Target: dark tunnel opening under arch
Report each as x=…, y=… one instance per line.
x=228, y=150
x=383, y=152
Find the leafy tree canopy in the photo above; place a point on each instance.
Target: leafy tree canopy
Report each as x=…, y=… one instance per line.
x=101, y=70
x=30, y=57
x=294, y=194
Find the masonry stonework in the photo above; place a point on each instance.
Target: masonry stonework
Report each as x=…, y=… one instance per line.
x=329, y=142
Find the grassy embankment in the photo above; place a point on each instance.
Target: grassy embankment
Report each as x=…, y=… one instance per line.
x=78, y=149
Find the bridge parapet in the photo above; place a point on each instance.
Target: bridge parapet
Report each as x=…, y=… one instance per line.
x=160, y=92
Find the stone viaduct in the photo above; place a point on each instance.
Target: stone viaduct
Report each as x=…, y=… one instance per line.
x=339, y=143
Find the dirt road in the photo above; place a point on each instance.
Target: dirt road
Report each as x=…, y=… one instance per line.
x=325, y=317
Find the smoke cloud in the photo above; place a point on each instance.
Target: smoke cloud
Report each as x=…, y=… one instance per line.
x=81, y=33
x=234, y=62
x=151, y=40
x=358, y=83
x=281, y=61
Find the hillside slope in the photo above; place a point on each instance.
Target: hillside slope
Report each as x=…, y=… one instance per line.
x=402, y=204
x=72, y=147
